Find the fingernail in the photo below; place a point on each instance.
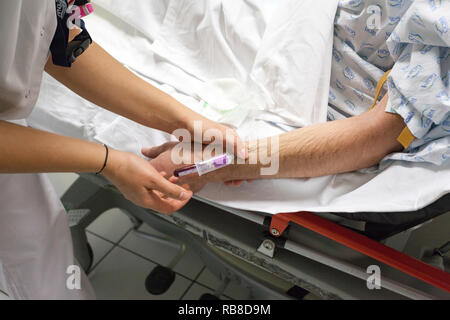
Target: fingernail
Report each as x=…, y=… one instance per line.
x=184, y=196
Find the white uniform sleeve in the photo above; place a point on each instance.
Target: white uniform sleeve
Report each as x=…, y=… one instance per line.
x=27, y=28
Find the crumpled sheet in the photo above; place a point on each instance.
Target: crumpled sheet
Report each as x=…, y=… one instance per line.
x=399, y=187
x=274, y=58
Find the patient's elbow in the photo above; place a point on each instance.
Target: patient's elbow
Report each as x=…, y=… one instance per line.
x=383, y=141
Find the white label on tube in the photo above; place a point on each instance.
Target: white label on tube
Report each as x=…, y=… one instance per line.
x=214, y=164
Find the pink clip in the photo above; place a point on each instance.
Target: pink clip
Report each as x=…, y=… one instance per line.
x=81, y=11
x=85, y=10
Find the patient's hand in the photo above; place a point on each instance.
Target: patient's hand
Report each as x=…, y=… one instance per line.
x=163, y=161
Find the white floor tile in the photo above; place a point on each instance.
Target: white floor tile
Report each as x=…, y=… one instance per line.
x=196, y=291
x=111, y=225
x=4, y=296
x=190, y=265
x=121, y=275
x=233, y=290
x=311, y=296
x=99, y=246
x=208, y=279
x=62, y=181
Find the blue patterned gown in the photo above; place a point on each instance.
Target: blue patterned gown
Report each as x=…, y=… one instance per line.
x=412, y=38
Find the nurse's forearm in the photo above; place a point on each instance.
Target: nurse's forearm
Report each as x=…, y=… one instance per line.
x=26, y=150
x=101, y=79
x=324, y=149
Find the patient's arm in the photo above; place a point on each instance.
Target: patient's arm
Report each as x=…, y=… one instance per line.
x=328, y=148
x=322, y=149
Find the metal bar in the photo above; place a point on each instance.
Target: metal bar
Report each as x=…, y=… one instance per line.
x=355, y=271
x=248, y=215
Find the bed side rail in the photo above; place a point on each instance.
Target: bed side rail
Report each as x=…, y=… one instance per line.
x=362, y=244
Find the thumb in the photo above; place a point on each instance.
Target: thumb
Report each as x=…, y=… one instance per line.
x=156, y=151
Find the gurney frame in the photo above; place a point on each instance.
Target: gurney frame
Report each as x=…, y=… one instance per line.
x=304, y=265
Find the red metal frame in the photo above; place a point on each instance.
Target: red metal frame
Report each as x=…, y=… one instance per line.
x=362, y=244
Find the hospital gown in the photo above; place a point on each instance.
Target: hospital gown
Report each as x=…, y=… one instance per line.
x=413, y=41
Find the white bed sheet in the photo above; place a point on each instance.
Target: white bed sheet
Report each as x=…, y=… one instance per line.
x=399, y=187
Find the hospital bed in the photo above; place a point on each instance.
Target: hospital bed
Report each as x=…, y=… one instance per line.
x=314, y=255
x=246, y=238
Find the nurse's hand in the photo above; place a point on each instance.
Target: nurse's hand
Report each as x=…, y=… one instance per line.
x=142, y=184
x=228, y=137
x=162, y=160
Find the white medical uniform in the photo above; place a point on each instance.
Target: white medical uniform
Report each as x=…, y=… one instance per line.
x=35, y=242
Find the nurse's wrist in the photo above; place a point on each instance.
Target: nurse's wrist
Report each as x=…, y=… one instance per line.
x=113, y=164
x=189, y=120
x=180, y=117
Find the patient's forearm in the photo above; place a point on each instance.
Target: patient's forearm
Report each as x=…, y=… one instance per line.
x=101, y=79
x=26, y=150
x=328, y=148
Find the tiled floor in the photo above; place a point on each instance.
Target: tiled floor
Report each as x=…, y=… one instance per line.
x=122, y=260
